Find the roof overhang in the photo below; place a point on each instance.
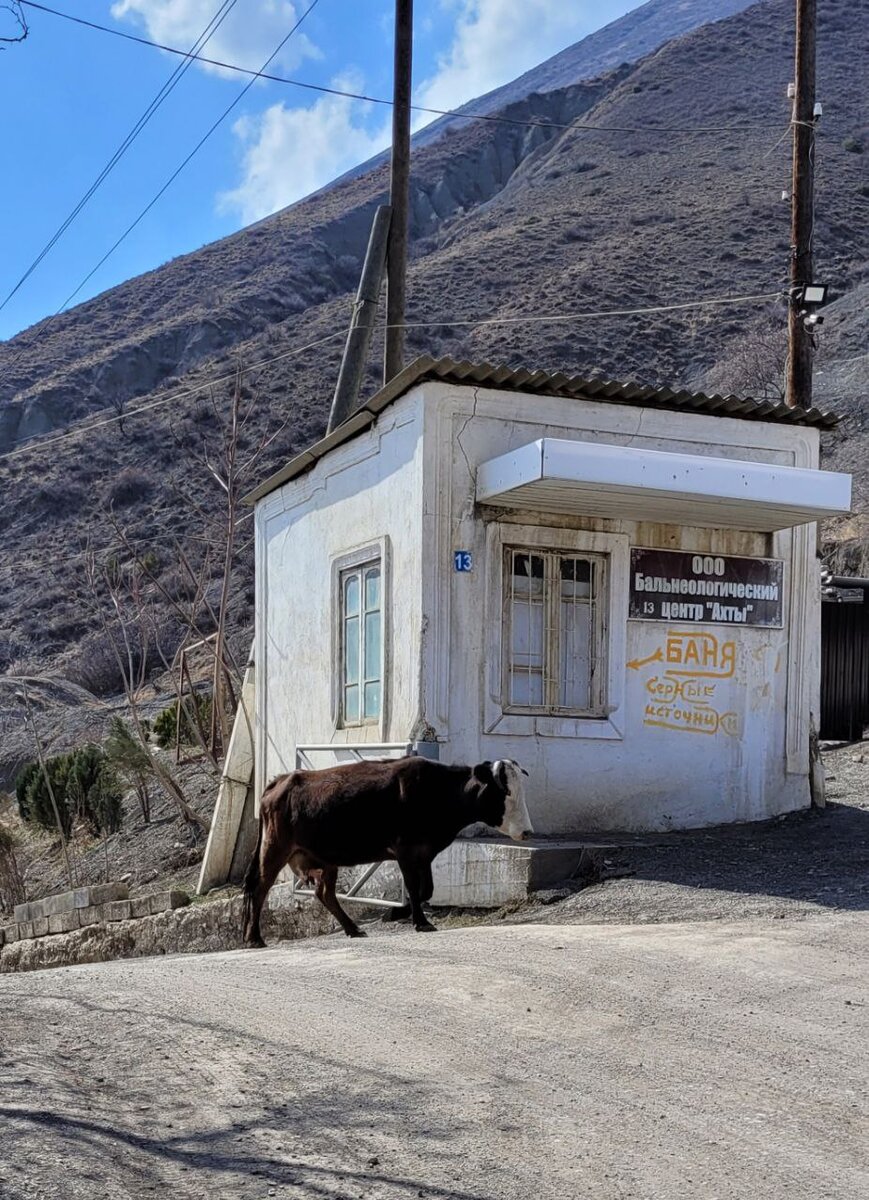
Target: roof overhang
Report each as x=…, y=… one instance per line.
x=600, y=480
x=538, y=383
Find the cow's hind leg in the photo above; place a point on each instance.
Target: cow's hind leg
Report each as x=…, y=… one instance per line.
x=326, y=895
x=399, y=913
x=264, y=870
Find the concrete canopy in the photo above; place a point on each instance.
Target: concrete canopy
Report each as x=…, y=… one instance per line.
x=595, y=479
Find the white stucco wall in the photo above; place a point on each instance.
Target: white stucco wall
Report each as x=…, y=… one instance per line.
x=630, y=771
x=367, y=492
x=408, y=485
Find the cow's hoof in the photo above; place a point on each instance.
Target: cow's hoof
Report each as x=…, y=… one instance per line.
x=356, y=933
x=255, y=944
x=426, y=927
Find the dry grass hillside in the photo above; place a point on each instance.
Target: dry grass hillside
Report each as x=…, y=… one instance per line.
x=508, y=220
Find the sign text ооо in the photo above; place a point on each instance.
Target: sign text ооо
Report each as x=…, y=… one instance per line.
x=678, y=585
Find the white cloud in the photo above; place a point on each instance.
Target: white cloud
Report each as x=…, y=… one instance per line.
x=496, y=40
x=291, y=152
x=246, y=37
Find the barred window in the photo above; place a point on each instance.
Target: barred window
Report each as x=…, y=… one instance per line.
x=554, y=648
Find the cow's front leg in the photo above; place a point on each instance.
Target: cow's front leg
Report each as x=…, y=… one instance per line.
x=415, y=880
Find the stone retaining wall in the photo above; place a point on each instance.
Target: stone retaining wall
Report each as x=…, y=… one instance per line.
x=97, y=905
x=194, y=929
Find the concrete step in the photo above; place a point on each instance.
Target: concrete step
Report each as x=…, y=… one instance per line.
x=489, y=872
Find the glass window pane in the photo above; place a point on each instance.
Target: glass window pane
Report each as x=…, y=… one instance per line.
x=351, y=704
x=372, y=645
x=526, y=687
x=351, y=594
x=576, y=577
x=351, y=650
x=527, y=634
x=576, y=614
x=372, y=699
x=528, y=565
x=575, y=682
x=372, y=588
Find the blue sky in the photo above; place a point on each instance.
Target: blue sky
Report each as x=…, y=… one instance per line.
x=71, y=95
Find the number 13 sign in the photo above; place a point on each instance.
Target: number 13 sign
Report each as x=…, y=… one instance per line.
x=463, y=560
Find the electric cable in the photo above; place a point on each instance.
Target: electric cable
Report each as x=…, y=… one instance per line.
x=438, y=112
x=167, y=88
x=719, y=301
x=255, y=75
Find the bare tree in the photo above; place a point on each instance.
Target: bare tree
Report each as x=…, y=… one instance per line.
x=229, y=461
x=118, y=403
x=12, y=890
x=754, y=364
x=19, y=23
x=24, y=696
x=132, y=760
x=130, y=634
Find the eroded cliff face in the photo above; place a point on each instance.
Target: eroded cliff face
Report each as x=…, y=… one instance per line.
x=154, y=329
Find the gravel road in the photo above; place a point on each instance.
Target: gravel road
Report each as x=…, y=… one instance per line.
x=709, y=1060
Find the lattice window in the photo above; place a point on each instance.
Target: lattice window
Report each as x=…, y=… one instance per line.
x=554, y=631
x=361, y=644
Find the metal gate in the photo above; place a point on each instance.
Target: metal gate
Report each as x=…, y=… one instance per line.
x=344, y=752
x=844, y=671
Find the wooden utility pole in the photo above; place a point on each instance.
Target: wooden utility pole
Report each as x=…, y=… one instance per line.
x=396, y=268
x=798, y=392
x=362, y=325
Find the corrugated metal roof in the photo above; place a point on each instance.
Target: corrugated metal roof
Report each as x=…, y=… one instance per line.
x=540, y=383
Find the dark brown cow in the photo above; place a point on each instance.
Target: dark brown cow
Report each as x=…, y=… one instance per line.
x=406, y=809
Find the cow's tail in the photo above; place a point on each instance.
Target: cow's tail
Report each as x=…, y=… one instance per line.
x=252, y=881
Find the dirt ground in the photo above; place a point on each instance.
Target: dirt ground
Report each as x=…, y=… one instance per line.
x=700, y=1059
x=696, y=1027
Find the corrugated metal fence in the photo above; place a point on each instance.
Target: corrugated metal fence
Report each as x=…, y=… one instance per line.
x=844, y=671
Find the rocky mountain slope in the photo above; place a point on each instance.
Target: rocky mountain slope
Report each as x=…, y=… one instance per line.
x=509, y=219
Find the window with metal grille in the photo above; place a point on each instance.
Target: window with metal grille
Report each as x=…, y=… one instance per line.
x=553, y=644
x=361, y=644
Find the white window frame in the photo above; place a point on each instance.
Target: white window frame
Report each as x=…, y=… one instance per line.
x=612, y=550
x=365, y=728
x=553, y=632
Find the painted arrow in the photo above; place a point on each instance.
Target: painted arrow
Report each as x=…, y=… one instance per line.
x=636, y=663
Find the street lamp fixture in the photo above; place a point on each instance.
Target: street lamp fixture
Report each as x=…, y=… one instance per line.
x=809, y=294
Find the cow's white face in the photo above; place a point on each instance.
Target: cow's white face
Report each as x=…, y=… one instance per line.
x=516, y=823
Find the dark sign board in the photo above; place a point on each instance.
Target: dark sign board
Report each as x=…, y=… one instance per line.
x=677, y=585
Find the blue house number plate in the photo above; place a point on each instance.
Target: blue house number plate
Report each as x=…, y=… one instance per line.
x=463, y=560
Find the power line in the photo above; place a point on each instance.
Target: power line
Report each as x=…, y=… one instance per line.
x=31, y=444
x=86, y=427
x=254, y=76
x=612, y=312
x=437, y=112
x=171, y=83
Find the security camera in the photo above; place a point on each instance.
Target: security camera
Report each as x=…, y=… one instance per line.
x=813, y=320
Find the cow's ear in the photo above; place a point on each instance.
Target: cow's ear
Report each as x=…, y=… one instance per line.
x=483, y=772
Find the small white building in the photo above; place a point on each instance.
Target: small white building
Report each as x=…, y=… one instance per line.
x=615, y=585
